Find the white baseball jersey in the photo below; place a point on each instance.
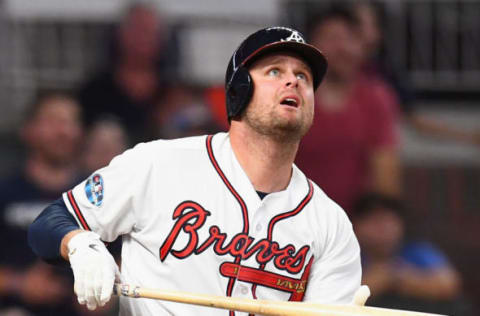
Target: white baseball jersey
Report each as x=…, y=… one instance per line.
x=191, y=220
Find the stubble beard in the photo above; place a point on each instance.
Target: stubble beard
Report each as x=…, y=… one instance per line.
x=278, y=128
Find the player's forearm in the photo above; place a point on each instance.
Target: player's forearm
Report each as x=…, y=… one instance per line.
x=46, y=233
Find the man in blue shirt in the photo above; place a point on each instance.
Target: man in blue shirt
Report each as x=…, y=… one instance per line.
x=401, y=273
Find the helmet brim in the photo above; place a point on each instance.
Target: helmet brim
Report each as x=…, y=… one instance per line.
x=309, y=53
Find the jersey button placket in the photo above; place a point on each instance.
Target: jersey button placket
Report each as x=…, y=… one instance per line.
x=244, y=290
x=258, y=219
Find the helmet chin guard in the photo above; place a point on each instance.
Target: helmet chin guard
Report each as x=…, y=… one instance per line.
x=238, y=92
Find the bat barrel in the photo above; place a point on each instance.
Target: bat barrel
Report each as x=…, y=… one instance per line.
x=260, y=307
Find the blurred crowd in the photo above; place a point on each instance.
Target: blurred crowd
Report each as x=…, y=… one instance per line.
x=351, y=152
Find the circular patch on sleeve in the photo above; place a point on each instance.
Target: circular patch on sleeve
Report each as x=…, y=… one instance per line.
x=94, y=189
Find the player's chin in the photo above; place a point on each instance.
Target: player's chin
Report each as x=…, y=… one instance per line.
x=293, y=118
x=288, y=114
x=291, y=129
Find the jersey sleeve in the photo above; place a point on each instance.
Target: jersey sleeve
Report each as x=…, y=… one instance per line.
x=336, y=274
x=107, y=202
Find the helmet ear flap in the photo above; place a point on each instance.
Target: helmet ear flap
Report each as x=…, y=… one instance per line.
x=238, y=92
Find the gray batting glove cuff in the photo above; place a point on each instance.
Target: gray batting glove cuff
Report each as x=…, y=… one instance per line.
x=94, y=269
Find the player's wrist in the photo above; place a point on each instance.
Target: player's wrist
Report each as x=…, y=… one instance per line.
x=81, y=239
x=66, y=240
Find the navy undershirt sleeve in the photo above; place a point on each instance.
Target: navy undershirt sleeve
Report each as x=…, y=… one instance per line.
x=45, y=234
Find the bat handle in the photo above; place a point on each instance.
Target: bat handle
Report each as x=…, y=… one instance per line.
x=126, y=290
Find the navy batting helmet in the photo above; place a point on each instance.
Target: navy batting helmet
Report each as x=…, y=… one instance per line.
x=238, y=83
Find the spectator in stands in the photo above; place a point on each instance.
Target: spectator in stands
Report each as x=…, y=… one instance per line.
x=378, y=66
x=105, y=139
x=136, y=81
x=401, y=273
x=352, y=145
x=186, y=113
x=51, y=132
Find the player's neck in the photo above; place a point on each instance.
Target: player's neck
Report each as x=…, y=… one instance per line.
x=267, y=162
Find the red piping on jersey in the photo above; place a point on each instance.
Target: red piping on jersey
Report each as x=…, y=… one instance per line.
x=227, y=183
x=298, y=296
x=77, y=211
x=293, y=212
x=278, y=218
x=239, y=200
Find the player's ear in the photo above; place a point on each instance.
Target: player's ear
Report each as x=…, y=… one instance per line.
x=239, y=91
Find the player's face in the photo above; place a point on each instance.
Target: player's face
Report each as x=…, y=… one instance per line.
x=283, y=97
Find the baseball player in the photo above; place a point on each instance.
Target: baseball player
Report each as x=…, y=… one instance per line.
x=224, y=214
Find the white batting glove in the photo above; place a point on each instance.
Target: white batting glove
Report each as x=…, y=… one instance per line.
x=94, y=269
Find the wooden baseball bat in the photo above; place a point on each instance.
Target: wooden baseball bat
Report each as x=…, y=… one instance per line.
x=260, y=307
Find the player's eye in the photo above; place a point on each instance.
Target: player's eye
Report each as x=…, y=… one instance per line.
x=274, y=72
x=302, y=76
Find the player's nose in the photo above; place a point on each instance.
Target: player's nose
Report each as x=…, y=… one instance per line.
x=291, y=79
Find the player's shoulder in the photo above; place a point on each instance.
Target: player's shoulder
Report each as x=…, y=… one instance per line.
x=187, y=143
x=167, y=149
x=160, y=150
